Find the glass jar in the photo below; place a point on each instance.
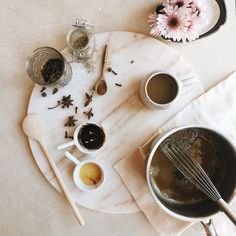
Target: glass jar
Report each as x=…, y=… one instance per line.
x=81, y=40
x=46, y=66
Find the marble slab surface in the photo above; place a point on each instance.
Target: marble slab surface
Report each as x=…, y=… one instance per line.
x=127, y=122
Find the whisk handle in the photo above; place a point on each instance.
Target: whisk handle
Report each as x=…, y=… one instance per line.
x=224, y=206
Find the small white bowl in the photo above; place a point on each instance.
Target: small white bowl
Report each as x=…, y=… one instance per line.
x=75, y=141
x=76, y=173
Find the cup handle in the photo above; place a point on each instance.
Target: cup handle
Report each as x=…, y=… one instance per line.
x=188, y=81
x=71, y=157
x=65, y=145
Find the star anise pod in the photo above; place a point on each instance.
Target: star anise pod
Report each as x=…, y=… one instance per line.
x=66, y=101
x=89, y=99
x=89, y=113
x=70, y=121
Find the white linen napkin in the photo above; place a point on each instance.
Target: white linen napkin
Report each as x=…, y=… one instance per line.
x=216, y=109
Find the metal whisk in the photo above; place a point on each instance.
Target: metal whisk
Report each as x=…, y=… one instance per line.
x=193, y=171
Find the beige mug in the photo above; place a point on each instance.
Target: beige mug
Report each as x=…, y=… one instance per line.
x=175, y=84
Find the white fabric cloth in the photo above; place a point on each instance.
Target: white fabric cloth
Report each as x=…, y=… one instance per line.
x=216, y=109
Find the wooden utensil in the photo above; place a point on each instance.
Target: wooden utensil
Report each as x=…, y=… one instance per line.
x=101, y=85
x=34, y=127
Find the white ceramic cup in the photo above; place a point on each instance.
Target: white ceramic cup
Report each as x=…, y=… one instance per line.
x=76, y=142
x=76, y=173
x=145, y=98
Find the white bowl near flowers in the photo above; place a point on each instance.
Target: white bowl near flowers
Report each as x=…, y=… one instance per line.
x=182, y=20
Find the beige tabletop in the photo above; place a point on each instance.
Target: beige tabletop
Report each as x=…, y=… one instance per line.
x=28, y=204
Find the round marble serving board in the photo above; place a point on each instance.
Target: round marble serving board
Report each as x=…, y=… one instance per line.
x=127, y=122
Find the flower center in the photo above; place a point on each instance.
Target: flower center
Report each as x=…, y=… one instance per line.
x=179, y=3
x=173, y=22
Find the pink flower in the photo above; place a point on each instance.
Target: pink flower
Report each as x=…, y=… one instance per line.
x=174, y=23
x=198, y=6
x=166, y=2
x=152, y=20
x=177, y=20
x=181, y=3
x=193, y=29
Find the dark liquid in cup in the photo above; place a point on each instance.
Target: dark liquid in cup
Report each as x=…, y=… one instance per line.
x=91, y=136
x=162, y=88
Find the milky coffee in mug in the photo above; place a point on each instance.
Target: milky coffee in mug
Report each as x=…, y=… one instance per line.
x=159, y=90
x=162, y=88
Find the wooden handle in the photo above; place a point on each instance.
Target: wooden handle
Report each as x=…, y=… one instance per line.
x=104, y=59
x=227, y=210
x=62, y=184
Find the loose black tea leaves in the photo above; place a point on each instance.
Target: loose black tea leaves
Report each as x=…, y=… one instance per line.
x=91, y=136
x=81, y=42
x=119, y=85
x=89, y=113
x=58, y=104
x=66, y=101
x=70, y=121
x=52, y=70
x=88, y=99
x=55, y=90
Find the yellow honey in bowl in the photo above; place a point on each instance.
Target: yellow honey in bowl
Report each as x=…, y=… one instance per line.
x=90, y=174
